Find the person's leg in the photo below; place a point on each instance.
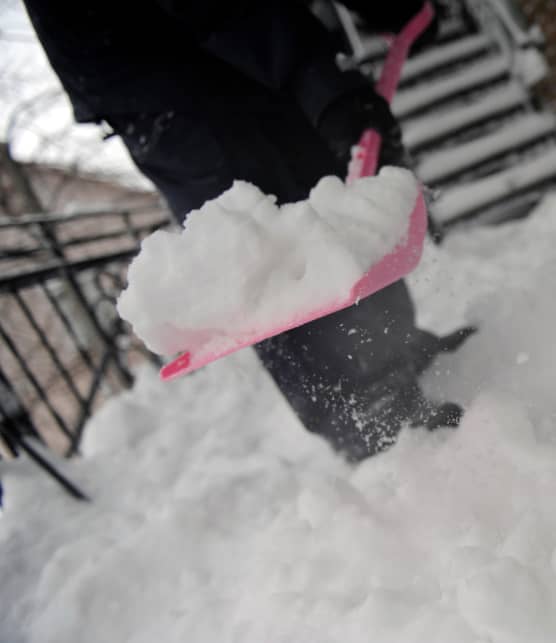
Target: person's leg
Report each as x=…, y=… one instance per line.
x=349, y=375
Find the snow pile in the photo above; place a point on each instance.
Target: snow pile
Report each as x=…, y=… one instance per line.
x=243, y=263
x=216, y=517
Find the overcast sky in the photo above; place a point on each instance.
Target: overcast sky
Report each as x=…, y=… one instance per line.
x=35, y=115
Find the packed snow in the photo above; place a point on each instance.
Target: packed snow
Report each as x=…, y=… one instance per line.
x=216, y=517
x=243, y=263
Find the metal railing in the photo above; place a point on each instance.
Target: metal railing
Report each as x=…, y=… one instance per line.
x=63, y=347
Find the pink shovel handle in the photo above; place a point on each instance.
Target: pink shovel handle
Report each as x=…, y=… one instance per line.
x=365, y=158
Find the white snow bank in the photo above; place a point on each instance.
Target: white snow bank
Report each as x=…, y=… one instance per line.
x=243, y=263
x=216, y=517
x=504, y=279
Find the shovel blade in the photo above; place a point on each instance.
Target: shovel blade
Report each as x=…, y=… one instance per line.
x=392, y=267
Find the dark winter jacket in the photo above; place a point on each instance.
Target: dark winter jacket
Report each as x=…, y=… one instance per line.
x=151, y=56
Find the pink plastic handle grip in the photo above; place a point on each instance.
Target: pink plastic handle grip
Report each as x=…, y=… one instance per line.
x=365, y=159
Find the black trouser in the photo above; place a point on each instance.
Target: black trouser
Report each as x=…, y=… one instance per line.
x=350, y=376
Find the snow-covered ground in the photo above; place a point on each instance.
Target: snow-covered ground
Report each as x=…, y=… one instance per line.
x=217, y=518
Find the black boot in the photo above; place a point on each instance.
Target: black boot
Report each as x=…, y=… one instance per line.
x=426, y=346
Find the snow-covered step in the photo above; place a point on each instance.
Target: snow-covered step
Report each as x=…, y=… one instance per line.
x=424, y=130
x=373, y=48
x=452, y=28
x=513, y=135
x=445, y=55
x=515, y=207
x=427, y=94
x=467, y=199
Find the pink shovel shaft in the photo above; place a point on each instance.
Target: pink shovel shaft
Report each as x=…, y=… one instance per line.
x=365, y=159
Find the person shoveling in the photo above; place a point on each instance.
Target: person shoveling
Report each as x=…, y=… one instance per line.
x=205, y=94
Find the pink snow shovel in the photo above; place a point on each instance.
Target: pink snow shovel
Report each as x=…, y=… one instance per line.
x=402, y=260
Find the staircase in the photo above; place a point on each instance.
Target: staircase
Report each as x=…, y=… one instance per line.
x=469, y=117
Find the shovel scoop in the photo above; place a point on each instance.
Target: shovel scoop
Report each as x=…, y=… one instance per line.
x=390, y=268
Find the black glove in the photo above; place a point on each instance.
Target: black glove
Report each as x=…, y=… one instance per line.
x=343, y=122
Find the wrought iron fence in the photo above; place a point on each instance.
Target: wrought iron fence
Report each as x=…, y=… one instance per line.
x=63, y=347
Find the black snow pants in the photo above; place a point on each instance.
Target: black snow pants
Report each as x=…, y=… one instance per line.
x=350, y=376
